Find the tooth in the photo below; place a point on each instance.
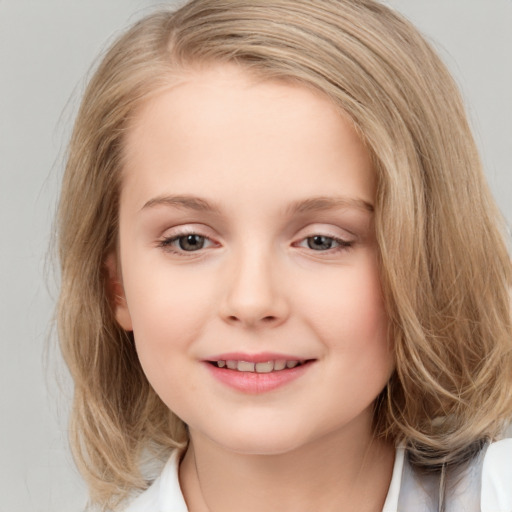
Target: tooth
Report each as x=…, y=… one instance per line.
x=280, y=364
x=221, y=364
x=245, y=366
x=264, y=367
x=231, y=364
x=291, y=364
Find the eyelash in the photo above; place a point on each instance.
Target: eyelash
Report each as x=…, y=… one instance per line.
x=167, y=244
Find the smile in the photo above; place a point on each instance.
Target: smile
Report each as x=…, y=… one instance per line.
x=260, y=376
x=262, y=367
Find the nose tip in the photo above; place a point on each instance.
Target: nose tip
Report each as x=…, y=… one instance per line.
x=254, y=297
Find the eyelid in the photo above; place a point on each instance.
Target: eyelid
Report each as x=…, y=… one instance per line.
x=186, y=229
x=328, y=230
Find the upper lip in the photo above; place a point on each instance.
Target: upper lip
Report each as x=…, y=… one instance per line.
x=261, y=357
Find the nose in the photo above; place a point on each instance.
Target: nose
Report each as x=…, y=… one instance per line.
x=254, y=294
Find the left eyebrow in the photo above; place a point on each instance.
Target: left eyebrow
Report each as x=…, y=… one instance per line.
x=323, y=203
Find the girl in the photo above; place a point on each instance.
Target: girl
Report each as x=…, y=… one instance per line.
x=283, y=275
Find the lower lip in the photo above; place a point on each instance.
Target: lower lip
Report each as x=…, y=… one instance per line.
x=257, y=383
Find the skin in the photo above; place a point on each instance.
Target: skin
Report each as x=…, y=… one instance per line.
x=252, y=149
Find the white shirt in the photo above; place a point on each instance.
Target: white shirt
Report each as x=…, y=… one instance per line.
x=407, y=492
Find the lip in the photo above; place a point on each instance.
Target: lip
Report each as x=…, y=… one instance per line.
x=261, y=357
x=256, y=383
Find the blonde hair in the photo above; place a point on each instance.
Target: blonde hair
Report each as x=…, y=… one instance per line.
x=445, y=269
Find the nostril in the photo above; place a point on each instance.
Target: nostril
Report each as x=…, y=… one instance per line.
x=265, y=319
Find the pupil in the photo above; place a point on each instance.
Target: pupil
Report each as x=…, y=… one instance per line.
x=191, y=242
x=320, y=242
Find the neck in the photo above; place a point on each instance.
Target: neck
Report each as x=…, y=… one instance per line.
x=335, y=473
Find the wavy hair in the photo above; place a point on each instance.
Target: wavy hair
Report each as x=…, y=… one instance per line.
x=445, y=269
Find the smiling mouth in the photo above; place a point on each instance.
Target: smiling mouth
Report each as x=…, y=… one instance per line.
x=263, y=367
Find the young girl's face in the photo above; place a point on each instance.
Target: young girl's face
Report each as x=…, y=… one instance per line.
x=246, y=241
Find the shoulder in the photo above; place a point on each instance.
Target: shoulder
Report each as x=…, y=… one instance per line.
x=483, y=486
x=164, y=495
x=497, y=477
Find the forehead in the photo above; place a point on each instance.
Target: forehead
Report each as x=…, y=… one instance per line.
x=244, y=131
x=197, y=90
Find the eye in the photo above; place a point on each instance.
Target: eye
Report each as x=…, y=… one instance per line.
x=320, y=243
x=325, y=243
x=185, y=242
x=191, y=242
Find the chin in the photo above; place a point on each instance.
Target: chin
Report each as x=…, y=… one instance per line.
x=261, y=440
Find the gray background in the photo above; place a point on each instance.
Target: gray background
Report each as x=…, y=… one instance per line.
x=46, y=50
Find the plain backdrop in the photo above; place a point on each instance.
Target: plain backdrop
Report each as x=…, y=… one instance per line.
x=46, y=51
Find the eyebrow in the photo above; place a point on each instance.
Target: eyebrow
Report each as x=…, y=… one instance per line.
x=313, y=204
x=185, y=202
x=322, y=203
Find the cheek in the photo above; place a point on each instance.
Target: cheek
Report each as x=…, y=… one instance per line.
x=165, y=299
x=366, y=319
x=350, y=305
x=170, y=309
x=351, y=320
x=165, y=325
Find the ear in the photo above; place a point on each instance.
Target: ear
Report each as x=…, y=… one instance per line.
x=115, y=293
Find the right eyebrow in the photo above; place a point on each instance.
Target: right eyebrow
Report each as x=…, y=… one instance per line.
x=184, y=202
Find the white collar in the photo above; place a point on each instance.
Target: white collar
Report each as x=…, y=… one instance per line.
x=165, y=494
x=494, y=477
